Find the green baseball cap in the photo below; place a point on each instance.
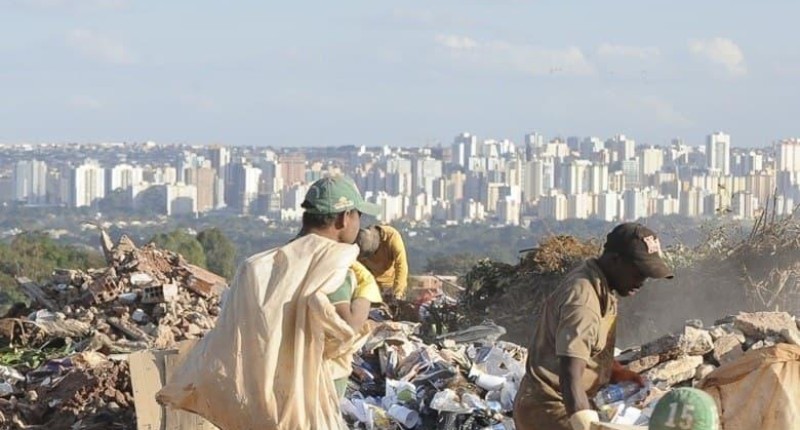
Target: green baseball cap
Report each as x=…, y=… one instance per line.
x=685, y=409
x=336, y=194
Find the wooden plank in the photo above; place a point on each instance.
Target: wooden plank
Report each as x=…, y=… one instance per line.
x=147, y=370
x=129, y=330
x=609, y=426
x=35, y=293
x=177, y=419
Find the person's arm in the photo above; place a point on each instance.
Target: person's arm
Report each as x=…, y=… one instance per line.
x=400, y=266
x=570, y=373
x=577, y=332
x=620, y=374
x=354, y=313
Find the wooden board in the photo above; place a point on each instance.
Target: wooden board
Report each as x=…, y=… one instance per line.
x=609, y=426
x=149, y=372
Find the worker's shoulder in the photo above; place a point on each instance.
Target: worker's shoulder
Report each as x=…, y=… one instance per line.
x=578, y=285
x=388, y=230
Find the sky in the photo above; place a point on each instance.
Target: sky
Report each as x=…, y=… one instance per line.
x=398, y=73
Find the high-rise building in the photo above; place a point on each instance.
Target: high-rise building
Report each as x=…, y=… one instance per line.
x=598, y=178
x=123, y=176
x=635, y=204
x=576, y=178
x=621, y=147
x=244, y=186
x=744, y=205
x=608, y=206
x=87, y=184
x=220, y=158
x=590, y=146
x=718, y=152
x=533, y=144
x=465, y=146
x=30, y=181
x=554, y=206
x=652, y=161
x=293, y=169
x=204, y=179
x=508, y=211
x=630, y=169
x=579, y=206
x=181, y=199
x=788, y=155
x=425, y=171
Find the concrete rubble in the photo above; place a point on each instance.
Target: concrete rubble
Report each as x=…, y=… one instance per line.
x=684, y=359
x=68, y=349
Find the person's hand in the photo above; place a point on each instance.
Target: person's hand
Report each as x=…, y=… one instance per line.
x=621, y=374
x=583, y=419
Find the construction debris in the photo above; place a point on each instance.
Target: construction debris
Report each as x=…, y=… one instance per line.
x=57, y=364
x=66, y=362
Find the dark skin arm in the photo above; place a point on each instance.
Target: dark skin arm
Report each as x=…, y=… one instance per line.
x=354, y=313
x=570, y=371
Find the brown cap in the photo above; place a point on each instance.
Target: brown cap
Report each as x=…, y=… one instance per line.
x=641, y=246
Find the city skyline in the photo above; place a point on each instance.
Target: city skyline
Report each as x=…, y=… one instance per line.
x=470, y=180
x=395, y=74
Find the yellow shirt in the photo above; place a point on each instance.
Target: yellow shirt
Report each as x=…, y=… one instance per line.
x=366, y=286
x=389, y=264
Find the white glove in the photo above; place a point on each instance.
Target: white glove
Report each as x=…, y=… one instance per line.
x=583, y=419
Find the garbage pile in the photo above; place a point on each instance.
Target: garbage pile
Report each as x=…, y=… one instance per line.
x=62, y=361
x=464, y=380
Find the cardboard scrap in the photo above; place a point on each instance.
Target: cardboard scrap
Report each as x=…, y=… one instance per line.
x=150, y=370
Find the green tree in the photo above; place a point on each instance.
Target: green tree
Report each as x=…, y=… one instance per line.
x=35, y=255
x=452, y=264
x=220, y=252
x=184, y=244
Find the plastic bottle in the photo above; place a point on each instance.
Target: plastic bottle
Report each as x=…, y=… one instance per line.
x=615, y=393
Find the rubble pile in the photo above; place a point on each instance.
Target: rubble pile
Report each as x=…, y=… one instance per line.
x=688, y=356
x=62, y=361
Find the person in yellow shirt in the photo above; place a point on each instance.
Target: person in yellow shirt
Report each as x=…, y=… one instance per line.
x=359, y=284
x=384, y=254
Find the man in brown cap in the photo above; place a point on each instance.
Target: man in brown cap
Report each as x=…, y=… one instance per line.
x=571, y=354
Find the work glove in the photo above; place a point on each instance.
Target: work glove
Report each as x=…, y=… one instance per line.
x=583, y=419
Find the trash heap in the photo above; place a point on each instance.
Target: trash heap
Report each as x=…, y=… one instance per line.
x=685, y=358
x=464, y=380
x=62, y=361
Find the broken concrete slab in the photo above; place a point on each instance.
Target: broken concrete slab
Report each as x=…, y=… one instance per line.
x=726, y=349
x=703, y=370
x=696, y=341
x=204, y=282
x=644, y=363
x=692, y=341
x=675, y=371
x=759, y=325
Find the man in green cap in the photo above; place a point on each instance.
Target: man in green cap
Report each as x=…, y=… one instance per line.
x=287, y=328
x=571, y=354
x=685, y=409
x=333, y=208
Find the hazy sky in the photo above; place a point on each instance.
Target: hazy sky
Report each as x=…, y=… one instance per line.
x=289, y=73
